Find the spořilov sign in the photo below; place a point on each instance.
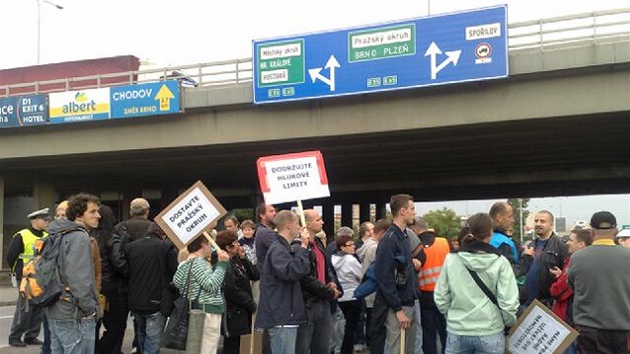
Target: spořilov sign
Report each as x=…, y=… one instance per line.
x=292, y=177
x=190, y=214
x=540, y=331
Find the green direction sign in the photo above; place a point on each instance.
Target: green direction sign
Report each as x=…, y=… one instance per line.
x=382, y=43
x=281, y=63
x=625, y=227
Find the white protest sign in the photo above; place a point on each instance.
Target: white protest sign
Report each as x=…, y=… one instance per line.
x=293, y=177
x=190, y=214
x=540, y=331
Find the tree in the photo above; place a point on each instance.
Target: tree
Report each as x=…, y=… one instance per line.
x=444, y=221
x=516, y=205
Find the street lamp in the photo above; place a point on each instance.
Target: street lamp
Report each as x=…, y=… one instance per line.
x=39, y=23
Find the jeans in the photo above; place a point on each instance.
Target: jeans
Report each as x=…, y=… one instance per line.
x=351, y=311
x=150, y=329
x=46, y=345
x=602, y=341
x=359, y=336
x=491, y=344
x=283, y=339
x=314, y=336
x=72, y=336
x=338, y=325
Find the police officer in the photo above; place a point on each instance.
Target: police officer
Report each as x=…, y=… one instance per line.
x=26, y=323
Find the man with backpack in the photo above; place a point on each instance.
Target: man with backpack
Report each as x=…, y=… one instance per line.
x=73, y=314
x=27, y=320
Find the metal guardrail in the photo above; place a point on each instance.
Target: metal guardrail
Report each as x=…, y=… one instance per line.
x=544, y=34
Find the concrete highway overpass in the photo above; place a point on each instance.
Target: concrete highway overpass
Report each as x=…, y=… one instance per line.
x=558, y=126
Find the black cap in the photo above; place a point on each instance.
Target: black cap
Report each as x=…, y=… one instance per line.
x=603, y=220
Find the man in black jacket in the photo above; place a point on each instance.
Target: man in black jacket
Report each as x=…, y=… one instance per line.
x=152, y=264
x=319, y=288
x=549, y=252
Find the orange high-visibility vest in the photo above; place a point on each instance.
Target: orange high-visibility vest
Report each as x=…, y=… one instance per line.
x=431, y=269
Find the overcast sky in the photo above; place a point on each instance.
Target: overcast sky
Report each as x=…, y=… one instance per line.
x=574, y=208
x=192, y=31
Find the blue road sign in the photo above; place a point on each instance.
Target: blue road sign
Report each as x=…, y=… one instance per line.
x=438, y=50
x=145, y=99
x=23, y=111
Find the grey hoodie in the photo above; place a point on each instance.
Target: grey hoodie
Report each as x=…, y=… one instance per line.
x=76, y=270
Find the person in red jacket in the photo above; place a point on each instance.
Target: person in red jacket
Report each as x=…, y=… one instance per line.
x=559, y=290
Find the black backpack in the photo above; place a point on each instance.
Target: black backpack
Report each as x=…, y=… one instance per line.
x=47, y=269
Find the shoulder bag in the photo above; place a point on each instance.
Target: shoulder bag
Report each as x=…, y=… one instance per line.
x=176, y=331
x=488, y=293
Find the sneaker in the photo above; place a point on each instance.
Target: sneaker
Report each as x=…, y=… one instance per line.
x=134, y=350
x=33, y=341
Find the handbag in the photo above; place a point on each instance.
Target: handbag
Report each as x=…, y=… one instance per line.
x=488, y=293
x=176, y=331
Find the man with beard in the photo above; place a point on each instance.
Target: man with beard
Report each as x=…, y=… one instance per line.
x=549, y=252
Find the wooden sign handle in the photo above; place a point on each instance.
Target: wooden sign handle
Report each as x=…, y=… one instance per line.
x=301, y=213
x=211, y=240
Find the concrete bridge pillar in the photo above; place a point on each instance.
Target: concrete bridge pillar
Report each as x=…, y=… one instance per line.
x=346, y=214
x=328, y=215
x=381, y=211
x=364, y=212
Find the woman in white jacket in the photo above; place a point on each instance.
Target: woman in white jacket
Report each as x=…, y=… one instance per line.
x=473, y=322
x=349, y=274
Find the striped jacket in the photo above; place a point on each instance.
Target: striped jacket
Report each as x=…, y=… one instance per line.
x=206, y=284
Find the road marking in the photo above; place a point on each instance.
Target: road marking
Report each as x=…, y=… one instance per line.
x=5, y=317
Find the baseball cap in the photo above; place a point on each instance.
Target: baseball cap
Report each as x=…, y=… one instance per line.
x=623, y=234
x=603, y=220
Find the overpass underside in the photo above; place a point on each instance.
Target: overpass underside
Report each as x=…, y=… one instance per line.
x=587, y=154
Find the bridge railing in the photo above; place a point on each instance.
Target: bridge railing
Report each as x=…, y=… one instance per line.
x=580, y=29
x=543, y=34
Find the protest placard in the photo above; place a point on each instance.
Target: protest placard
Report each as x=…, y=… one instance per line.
x=190, y=215
x=293, y=177
x=540, y=331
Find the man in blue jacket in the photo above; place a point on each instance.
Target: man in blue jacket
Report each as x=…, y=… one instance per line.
x=397, y=280
x=281, y=309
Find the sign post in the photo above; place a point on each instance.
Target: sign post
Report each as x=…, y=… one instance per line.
x=293, y=177
x=190, y=215
x=437, y=50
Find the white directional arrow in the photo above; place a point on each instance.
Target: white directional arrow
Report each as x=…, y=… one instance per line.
x=434, y=51
x=315, y=73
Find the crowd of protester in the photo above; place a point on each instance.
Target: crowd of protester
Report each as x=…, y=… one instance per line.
x=395, y=284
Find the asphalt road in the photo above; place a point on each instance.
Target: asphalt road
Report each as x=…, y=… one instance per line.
x=6, y=319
